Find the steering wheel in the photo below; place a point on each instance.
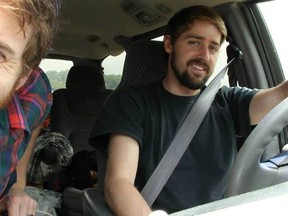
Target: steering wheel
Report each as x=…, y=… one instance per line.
x=248, y=172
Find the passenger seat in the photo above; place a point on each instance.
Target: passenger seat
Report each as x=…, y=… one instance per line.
x=73, y=114
x=76, y=107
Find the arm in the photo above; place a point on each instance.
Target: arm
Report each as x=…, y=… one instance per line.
x=265, y=100
x=17, y=198
x=24, y=161
x=120, y=193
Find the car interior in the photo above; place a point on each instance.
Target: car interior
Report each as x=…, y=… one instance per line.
x=76, y=107
x=93, y=31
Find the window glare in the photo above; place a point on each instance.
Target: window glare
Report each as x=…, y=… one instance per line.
x=55, y=65
x=56, y=71
x=273, y=13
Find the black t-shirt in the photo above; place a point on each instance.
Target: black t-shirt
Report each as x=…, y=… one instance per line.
x=152, y=116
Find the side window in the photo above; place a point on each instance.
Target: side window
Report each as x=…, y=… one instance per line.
x=113, y=67
x=275, y=12
x=221, y=63
x=56, y=70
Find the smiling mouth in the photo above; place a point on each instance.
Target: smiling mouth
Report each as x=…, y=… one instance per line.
x=198, y=67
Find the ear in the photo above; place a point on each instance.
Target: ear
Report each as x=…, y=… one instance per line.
x=22, y=80
x=168, y=43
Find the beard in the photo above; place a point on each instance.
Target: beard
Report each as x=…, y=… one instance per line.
x=185, y=78
x=6, y=99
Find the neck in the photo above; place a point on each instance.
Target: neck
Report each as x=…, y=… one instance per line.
x=172, y=85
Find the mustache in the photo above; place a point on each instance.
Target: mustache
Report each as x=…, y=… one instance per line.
x=199, y=62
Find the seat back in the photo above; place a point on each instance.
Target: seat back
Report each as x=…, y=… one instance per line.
x=76, y=107
x=145, y=62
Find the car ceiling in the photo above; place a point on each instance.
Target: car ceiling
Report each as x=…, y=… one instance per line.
x=90, y=27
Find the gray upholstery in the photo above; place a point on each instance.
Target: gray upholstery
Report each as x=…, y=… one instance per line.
x=76, y=107
x=85, y=78
x=73, y=114
x=72, y=202
x=145, y=62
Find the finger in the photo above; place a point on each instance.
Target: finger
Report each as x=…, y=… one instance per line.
x=13, y=208
x=28, y=206
x=31, y=210
x=21, y=206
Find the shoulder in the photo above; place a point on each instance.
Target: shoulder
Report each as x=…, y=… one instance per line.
x=236, y=91
x=35, y=97
x=37, y=82
x=235, y=96
x=138, y=94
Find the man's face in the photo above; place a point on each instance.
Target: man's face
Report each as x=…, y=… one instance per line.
x=194, y=54
x=12, y=45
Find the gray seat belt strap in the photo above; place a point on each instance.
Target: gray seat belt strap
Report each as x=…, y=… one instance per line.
x=182, y=139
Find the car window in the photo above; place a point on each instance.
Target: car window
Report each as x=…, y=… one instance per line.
x=56, y=70
x=274, y=12
x=113, y=68
x=221, y=63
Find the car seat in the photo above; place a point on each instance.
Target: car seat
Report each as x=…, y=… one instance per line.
x=145, y=62
x=73, y=114
x=75, y=108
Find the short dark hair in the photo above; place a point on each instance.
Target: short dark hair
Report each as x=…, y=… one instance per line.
x=183, y=19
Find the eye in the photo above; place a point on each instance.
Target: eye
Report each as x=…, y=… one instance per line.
x=194, y=43
x=214, y=49
x=2, y=57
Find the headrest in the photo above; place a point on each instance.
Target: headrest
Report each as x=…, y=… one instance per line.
x=145, y=62
x=85, y=78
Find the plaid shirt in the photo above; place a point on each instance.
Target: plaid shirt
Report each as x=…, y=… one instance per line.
x=28, y=108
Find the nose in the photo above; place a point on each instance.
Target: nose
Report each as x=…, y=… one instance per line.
x=204, y=53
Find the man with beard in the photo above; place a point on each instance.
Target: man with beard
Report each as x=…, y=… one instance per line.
x=26, y=31
x=137, y=125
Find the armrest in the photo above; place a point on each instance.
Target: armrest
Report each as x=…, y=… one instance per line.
x=72, y=202
x=94, y=203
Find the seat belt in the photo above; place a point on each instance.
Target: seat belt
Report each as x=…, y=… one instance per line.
x=183, y=137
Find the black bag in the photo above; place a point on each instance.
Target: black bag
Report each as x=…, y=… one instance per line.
x=82, y=171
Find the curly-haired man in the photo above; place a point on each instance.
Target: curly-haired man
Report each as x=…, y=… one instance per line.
x=27, y=28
